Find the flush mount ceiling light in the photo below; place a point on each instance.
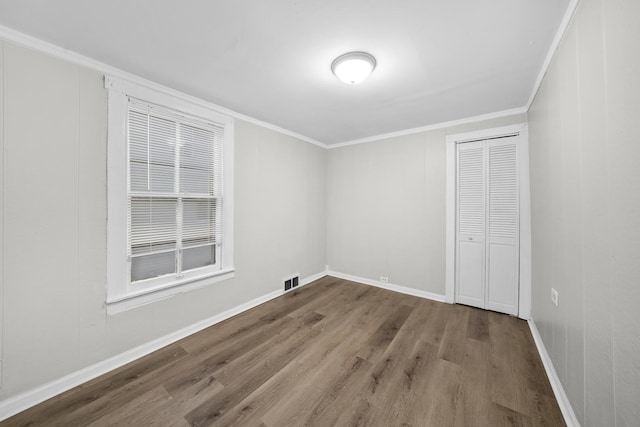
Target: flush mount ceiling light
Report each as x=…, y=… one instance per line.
x=353, y=67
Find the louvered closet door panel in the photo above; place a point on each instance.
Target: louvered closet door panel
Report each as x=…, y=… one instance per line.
x=503, y=226
x=471, y=224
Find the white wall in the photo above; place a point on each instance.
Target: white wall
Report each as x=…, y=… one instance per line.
x=386, y=207
x=585, y=189
x=53, y=224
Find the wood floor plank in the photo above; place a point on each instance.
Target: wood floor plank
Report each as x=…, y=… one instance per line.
x=437, y=322
x=287, y=383
x=205, y=364
x=384, y=335
x=144, y=409
x=358, y=413
x=407, y=372
x=250, y=321
x=478, y=325
x=242, y=383
x=332, y=353
x=509, y=382
x=544, y=410
x=186, y=400
x=254, y=406
x=474, y=393
x=303, y=407
x=120, y=393
x=501, y=416
x=229, y=372
x=455, y=331
x=328, y=295
x=85, y=403
x=328, y=411
x=442, y=389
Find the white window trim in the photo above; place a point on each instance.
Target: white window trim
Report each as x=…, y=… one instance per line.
x=121, y=295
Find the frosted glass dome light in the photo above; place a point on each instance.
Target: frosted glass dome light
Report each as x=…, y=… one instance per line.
x=353, y=67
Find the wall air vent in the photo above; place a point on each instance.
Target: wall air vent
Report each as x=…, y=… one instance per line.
x=291, y=282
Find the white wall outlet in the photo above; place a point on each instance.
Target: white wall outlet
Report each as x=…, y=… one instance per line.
x=384, y=279
x=554, y=297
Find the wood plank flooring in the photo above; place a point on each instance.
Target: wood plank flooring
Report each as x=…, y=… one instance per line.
x=333, y=353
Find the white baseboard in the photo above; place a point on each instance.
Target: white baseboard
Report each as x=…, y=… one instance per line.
x=313, y=278
x=39, y=394
x=388, y=286
x=562, y=398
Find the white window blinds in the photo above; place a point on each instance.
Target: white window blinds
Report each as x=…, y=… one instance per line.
x=174, y=192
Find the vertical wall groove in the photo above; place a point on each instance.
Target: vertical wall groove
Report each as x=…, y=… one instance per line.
x=77, y=211
x=2, y=169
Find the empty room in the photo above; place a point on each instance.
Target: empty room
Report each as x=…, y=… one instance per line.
x=320, y=213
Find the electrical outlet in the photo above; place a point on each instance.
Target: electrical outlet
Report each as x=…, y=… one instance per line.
x=384, y=279
x=554, y=296
x=287, y=284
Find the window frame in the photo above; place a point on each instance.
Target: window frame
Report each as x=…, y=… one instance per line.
x=122, y=294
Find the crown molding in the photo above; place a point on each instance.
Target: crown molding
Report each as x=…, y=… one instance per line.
x=34, y=43
x=562, y=29
x=474, y=119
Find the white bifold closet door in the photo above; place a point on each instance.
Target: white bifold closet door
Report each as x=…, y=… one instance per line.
x=487, y=244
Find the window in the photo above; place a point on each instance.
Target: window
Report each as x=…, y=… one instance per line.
x=169, y=195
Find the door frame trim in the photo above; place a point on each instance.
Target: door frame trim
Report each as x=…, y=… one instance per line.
x=522, y=131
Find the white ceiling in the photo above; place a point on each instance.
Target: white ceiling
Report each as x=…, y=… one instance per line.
x=438, y=60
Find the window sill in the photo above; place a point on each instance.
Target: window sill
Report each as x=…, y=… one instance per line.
x=120, y=304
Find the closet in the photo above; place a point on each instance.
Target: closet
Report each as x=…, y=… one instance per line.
x=487, y=224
